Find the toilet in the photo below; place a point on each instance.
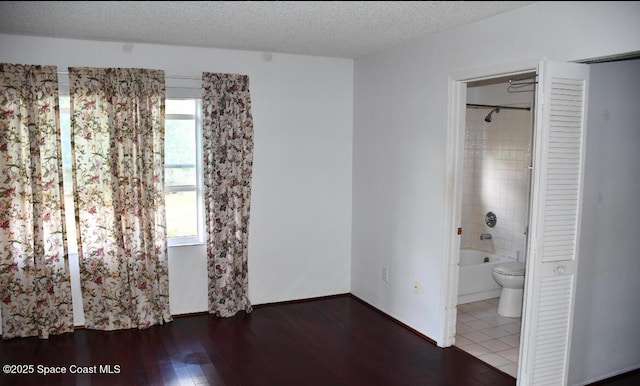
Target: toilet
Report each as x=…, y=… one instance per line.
x=511, y=277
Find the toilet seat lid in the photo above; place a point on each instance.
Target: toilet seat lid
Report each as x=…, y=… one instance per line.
x=516, y=268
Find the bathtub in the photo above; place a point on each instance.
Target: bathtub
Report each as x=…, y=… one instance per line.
x=475, y=281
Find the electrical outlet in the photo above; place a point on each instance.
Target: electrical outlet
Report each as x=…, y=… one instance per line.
x=385, y=274
x=416, y=286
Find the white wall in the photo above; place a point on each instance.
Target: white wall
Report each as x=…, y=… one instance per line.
x=606, y=337
x=300, y=229
x=400, y=136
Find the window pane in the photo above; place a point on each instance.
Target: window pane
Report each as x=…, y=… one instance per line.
x=64, y=101
x=179, y=176
x=181, y=169
x=70, y=222
x=69, y=211
x=65, y=134
x=180, y=142
x=182, y=212
x=180, y=106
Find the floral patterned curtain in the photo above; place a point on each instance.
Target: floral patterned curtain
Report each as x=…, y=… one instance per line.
x=228, y=161
x=35, y=291
x=117, y=120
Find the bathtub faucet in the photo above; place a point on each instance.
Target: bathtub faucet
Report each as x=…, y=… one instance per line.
x=485, y=236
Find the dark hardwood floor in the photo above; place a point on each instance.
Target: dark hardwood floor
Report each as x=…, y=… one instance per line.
x=331, y=341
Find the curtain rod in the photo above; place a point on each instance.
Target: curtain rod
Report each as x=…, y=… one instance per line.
x=501, y=107
x=166, y=76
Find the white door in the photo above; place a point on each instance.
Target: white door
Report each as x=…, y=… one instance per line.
x=561, y=104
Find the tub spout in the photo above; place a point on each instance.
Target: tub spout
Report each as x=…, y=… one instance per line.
x=485, y=236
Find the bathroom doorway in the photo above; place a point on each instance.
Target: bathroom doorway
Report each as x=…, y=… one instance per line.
x=495, y=212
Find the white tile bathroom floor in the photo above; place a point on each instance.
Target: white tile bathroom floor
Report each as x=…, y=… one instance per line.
x=492, y=338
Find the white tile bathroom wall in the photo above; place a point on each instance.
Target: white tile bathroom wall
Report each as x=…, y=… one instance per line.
x=496, y=179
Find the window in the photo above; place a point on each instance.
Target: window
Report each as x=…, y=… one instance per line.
x=183, y=172
x=69, y=210
x=183, y=181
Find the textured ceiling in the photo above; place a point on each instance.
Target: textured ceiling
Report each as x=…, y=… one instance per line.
x=347, y=29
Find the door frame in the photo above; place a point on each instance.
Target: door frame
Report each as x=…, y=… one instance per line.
x=454, y=168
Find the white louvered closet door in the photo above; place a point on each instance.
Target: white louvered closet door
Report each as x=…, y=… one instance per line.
x=561, y=102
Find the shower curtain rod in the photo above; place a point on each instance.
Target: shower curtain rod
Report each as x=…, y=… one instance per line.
x=500, y=107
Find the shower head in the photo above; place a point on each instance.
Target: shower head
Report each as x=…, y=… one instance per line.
x=488, y=117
